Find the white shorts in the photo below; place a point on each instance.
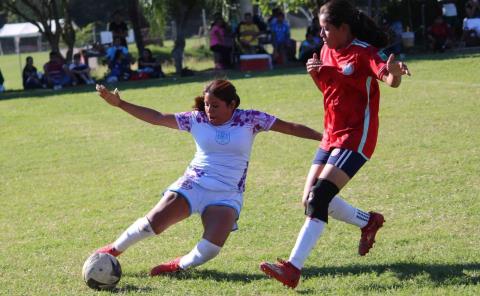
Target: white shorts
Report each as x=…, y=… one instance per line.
x=199, y=198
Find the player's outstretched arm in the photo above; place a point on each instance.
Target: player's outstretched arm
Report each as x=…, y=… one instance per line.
x=142, y=113
x=395, y=71
x=295, y=129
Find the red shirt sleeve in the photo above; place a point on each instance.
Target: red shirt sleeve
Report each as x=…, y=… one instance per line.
x=377, y=62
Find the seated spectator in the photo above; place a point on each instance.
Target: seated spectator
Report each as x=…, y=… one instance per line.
x=80, y=71
x=283, y=46
x=31, y=77
x=439, y=35
x=119, y=68
x=119, y=28
x=2, y=88
x=471, y=26
x=248, y=33
x=116, y=46
x=149, y=66
x=56, y=74
x=309, y=46
x=220, y=43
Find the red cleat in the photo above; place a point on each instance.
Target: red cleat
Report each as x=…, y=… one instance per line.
x=109, y=249
x=368, y=233
x=168, y=267
x=283, y=271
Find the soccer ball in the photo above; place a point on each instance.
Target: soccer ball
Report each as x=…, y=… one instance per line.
x=101, y=271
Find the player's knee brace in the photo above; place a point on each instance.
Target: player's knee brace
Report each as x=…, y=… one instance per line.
x=320, y=196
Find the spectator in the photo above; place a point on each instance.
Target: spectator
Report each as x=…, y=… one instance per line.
x=119, y=28
x=31, y=77
x=149, y=66
x=56, y=74
x=220, y=44
x=309, y=46
x=80, y=71
x=282, y=47
x=116, y=46
x=439, y=35
x=471, y=25
x=248, y=33
x=394, y=31
x=449, y=13
x=2, y=88
x=119, y=68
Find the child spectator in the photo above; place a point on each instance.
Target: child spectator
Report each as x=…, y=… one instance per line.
x=119, y=68
x=80, y=71
x=116, y=46
x=280, y=39
x=149, y=66
x=55, y=71
x=31, y=77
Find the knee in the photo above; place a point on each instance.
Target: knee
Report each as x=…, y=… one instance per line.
x=319, y=199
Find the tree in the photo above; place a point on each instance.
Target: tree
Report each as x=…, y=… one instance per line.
x=43, y=14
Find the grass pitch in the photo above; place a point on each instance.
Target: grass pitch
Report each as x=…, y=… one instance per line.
x=76, y=172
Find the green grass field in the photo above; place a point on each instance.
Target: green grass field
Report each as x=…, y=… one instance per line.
x=76, y=172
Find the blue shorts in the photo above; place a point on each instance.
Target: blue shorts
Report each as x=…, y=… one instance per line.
x=348, y=161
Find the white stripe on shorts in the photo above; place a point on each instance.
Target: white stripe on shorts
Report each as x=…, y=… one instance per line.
x=346, y=157
x=340, y=158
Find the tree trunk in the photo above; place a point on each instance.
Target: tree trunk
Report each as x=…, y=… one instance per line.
x=133, y=8
x=68, y=31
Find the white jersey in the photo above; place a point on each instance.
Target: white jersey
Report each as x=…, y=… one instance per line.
x=223, y=152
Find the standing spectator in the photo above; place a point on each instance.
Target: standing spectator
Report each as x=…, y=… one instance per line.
x=2, y=80
x=220, y=44
x=56, y=74
x=80, y=71
x=248, y=33
x=280, y=38
x=149, y=66
x=30, y=76
x=439, y=35
x=449, y=13
x=119, y=28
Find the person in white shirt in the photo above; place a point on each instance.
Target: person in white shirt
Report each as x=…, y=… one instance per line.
x=214, y=182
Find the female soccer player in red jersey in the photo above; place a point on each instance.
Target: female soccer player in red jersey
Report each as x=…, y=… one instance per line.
x=346, y=74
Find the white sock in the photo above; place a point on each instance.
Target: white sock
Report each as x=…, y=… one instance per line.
x=341, y=210
x=139, y=230
x=200, y=254
x=307, y=238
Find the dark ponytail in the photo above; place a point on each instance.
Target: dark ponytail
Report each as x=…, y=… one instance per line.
x=221, y=89
x=337, y=12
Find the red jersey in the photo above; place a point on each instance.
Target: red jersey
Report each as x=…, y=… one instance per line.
x=348, y=81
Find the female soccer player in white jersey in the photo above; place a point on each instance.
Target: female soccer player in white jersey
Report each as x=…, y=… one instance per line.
x=214, y=182
x=346, y=74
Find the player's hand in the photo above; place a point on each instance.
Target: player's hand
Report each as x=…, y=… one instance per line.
x=396, y=68
x=113, y=98
x=304, y=201
x=314, y=64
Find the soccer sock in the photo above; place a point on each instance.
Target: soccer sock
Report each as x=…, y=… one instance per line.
x=341, y=210
x=307, y=238
x=139, y=230
x=200, y=254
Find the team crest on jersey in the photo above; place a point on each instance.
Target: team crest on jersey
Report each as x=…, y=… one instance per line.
x=222, y=137
x=348, y=69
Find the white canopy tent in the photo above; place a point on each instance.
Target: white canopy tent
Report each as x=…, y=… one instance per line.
x=18, y=31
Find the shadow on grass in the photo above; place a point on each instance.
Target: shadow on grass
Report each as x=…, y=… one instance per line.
x=200, y=76
x=439, y=274
x=207, y=274
x=130, y=288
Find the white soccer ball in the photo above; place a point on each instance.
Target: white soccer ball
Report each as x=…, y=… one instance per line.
x=101, y=271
